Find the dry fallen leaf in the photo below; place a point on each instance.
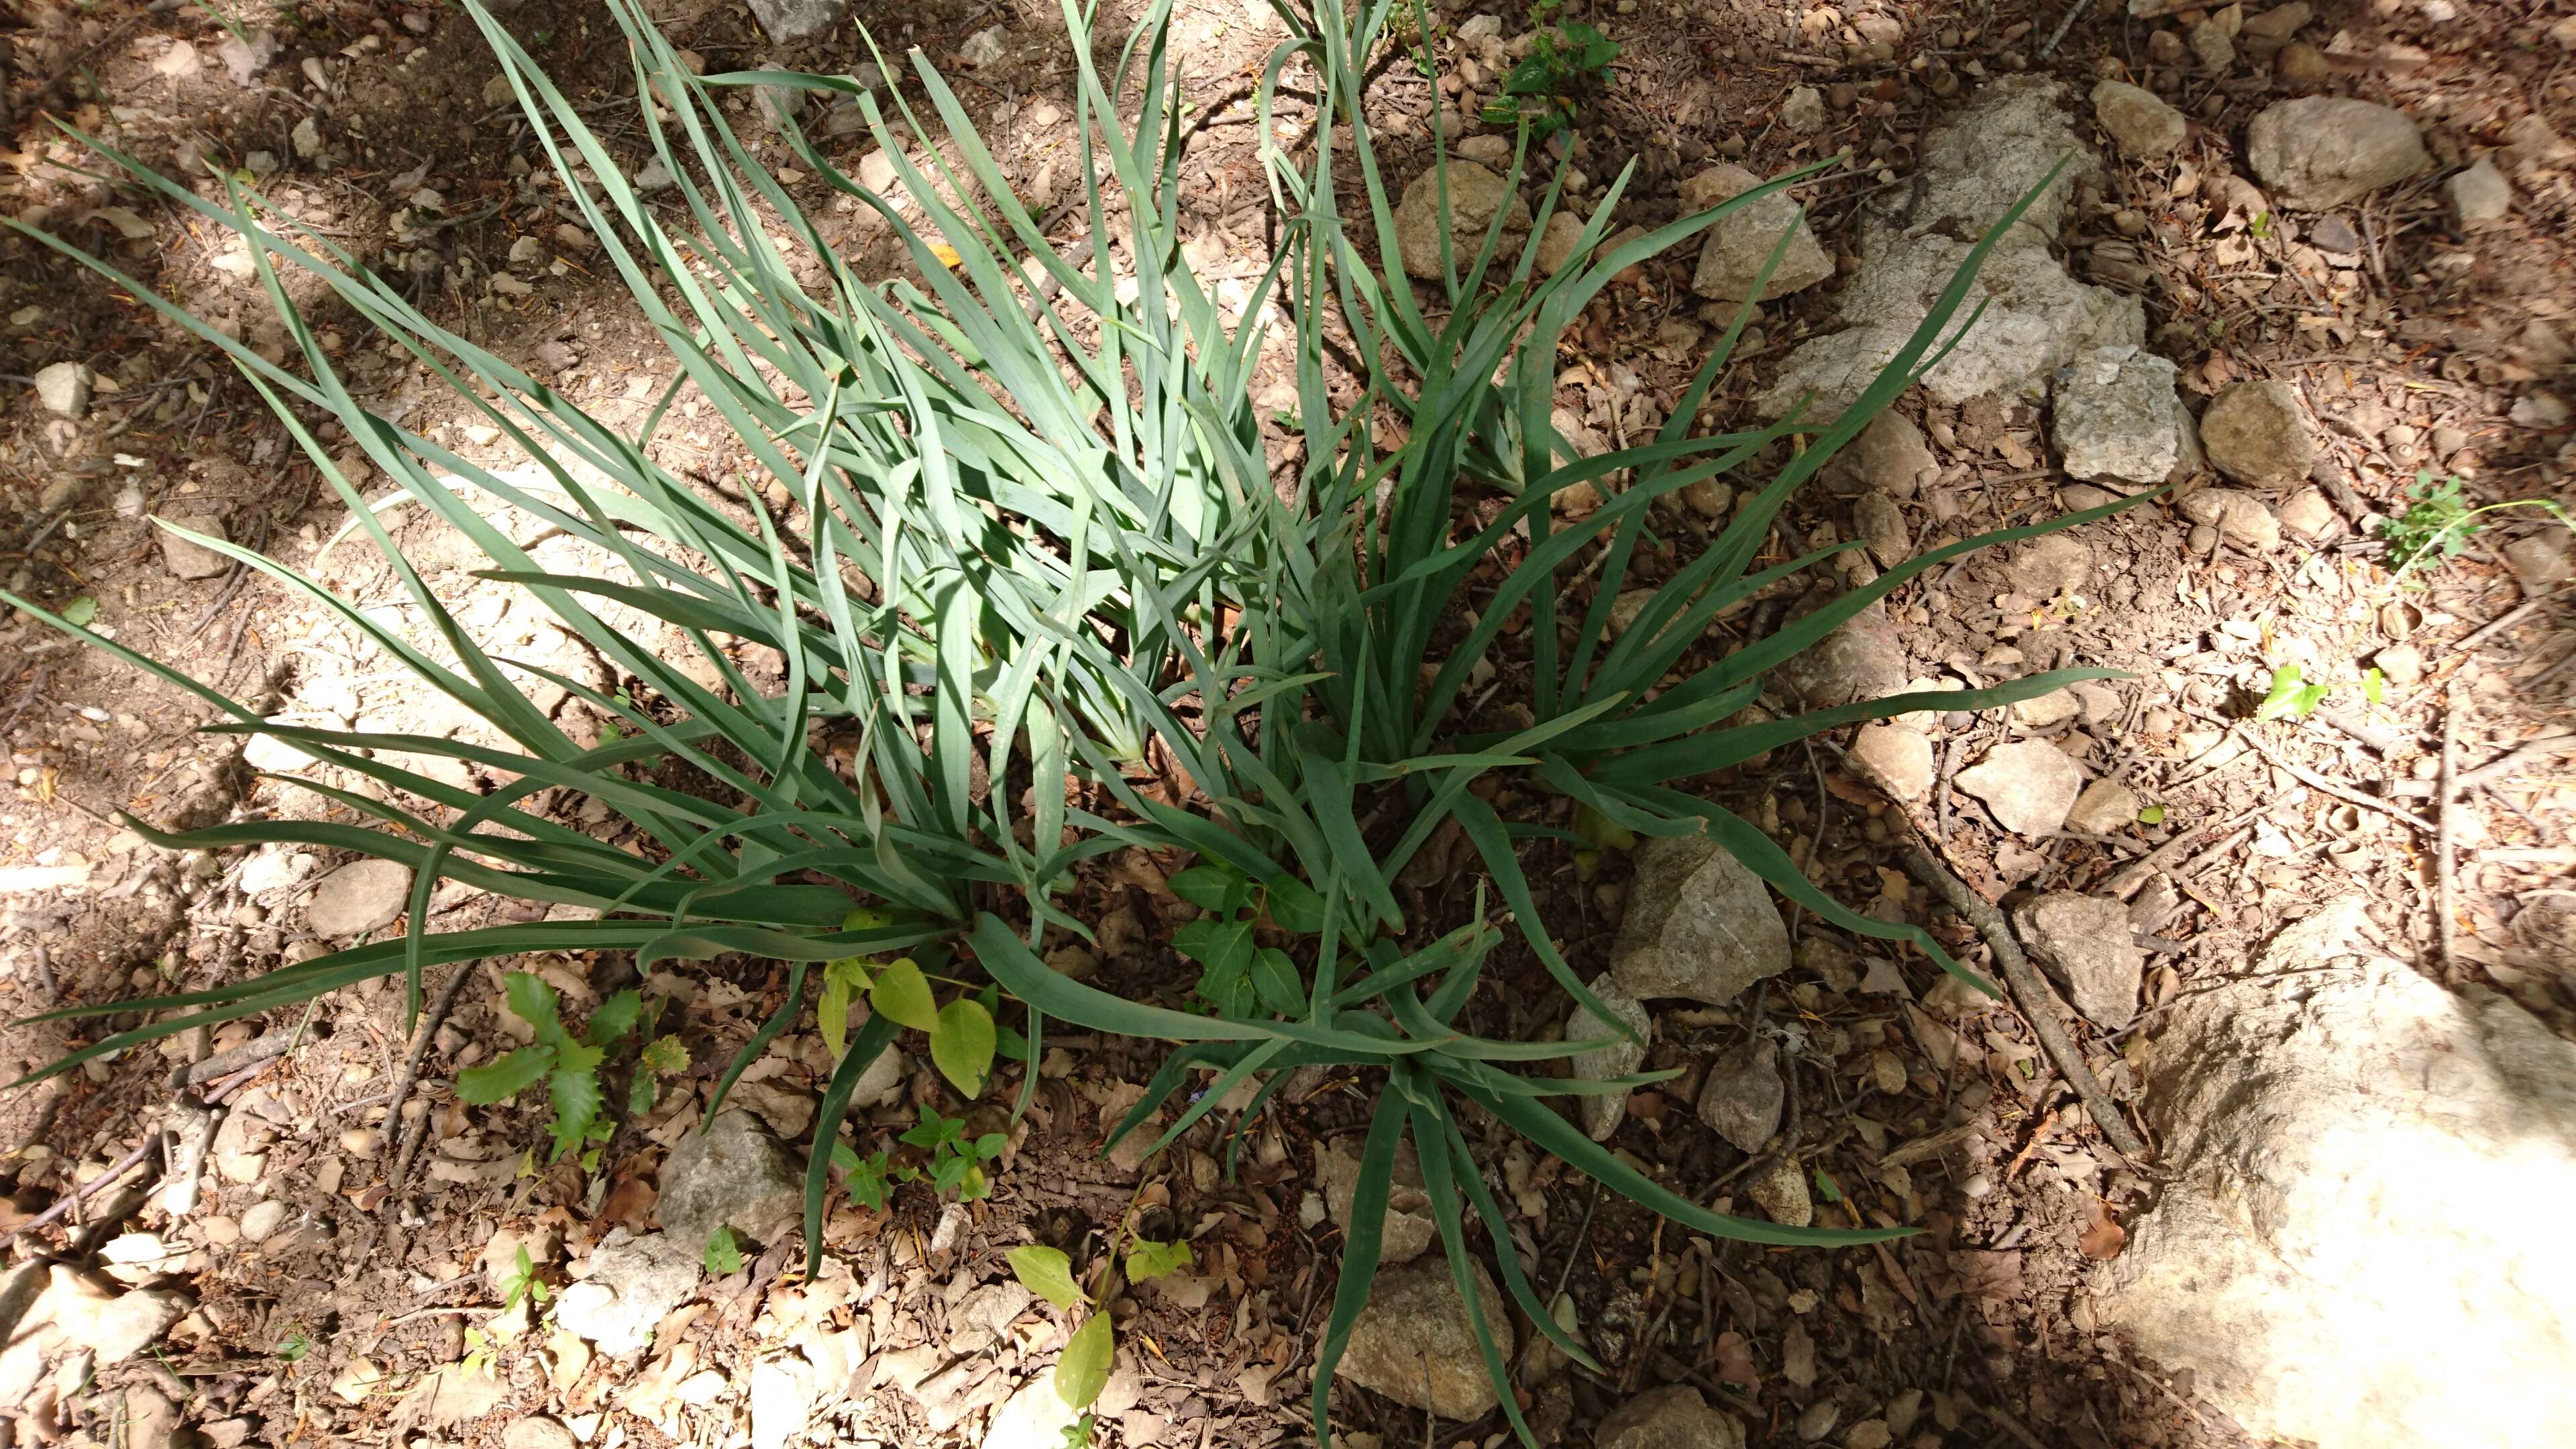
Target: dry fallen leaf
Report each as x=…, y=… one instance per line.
x=2105, y=1237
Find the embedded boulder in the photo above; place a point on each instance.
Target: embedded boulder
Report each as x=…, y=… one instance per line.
x=2118, y=417
x=733, y=1175
x=1700, y=925
x=1604, y=1111
x=1415, y=1344
x=2331, y=1256
x=1474, y=195
x=2319, y=152
x=2036, y=318
x=1740, y=243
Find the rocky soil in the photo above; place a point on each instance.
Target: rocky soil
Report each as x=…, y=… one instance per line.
x=2319, y=963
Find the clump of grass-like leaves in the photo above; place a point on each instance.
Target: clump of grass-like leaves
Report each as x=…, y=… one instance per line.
x=1034, y=536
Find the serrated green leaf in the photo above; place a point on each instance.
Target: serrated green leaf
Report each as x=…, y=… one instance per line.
x=1148, y=1260
x=666, y=1055
x=723, y=1255
x=615, y=1019
x=902, y=995
x=962, y=1043
x=81, y=612
x=501, y=1080
x=1046, y=1272
x=1083, y=1369
x=2152, y=815
x=531, y=1000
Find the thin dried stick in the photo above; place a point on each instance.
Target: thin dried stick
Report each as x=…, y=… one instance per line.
x=2126, y=881
x=2033, y=995
x=2495, y=626
x=2337, y=789
x=411, y=1136
x=2445, y=870
x=87, y=1190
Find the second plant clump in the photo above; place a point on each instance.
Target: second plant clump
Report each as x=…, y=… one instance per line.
x=1037, y=560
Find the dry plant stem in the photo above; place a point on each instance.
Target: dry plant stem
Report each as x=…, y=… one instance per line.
x=2496, y=769
x=2496, y=626
x=2446, y=886
x=2126, y=882
x=2032, y=994
x=2340, y=791
x=95, y=1185
x=429, y=1024
x=259, y=1049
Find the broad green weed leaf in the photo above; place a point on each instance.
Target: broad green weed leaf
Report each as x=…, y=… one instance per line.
x=902, y=995
x=723, y=1255
x=1274, y=976
x=615, y=1018
x=81, y=612
x=1083, y=1370
x=841, y=980
x=1214, y=888
x=962, y=1043
x=1045, y=1272
x=1148, y=1261
x=1294, y=906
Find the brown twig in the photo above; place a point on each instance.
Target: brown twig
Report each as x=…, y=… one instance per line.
x=2126, y=881
x=94, y=1186
x=2034, y=997
x=2337, y=789
x=2445, y=870
x=429, y=1024
x=2498, y=625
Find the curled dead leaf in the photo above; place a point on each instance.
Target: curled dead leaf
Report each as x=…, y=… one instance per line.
x=2104, y=1237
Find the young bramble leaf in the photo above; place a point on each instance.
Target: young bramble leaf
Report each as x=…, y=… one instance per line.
x=1046, y=1272
x=665, y=1055
x=533, y=1001
x=1148, y=1261
x=615, y=1018
x=80, y=613
x=1083, y=1370
x=903, y=994
x=499, y=1081
x=962, y=1043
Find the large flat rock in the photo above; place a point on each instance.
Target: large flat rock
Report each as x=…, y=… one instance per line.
x=2355, y=1246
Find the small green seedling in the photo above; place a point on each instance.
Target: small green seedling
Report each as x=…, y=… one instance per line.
x=1082, y=1370
x=2438, y=524
x=479, y=1350
x=569, y=1065
x=2290, y=698
x=522, y=1283
x=723, y=1256
x=869, y=1179
x=294, y=1344
x=1239, y=978
x=956, y=1162
x=1565, y=65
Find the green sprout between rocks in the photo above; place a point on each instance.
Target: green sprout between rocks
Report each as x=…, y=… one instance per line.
x=1036, y=541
